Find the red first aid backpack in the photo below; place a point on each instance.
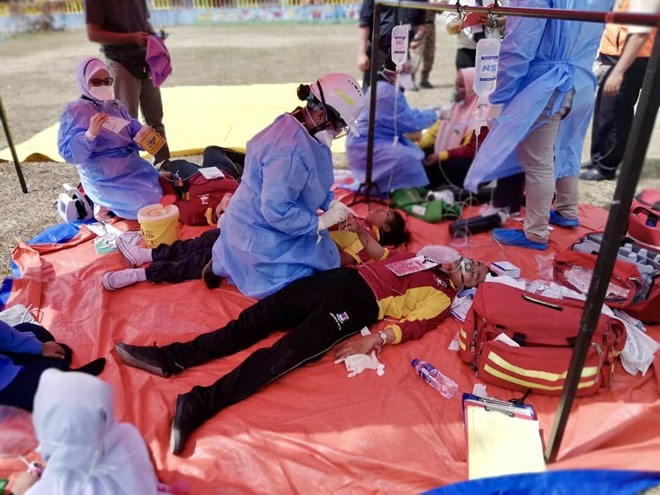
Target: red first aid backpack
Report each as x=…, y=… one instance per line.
x=628, y=290
x=644, y=219
x=197, y=196
x=545, y=330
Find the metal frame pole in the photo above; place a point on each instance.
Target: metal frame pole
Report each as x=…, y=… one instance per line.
x=368, y=185
x=10, y=143
x=631, y=168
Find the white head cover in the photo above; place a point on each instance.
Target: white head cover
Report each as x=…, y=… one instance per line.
x=341, y=92
x=85, y=70
x=86, y=451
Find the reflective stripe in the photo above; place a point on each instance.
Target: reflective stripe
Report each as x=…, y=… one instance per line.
x=543, y=375
x=463, y=334
x=462, y=345
x=528, y=384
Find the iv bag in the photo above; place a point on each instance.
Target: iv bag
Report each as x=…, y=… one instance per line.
x=399, y=52
x=487, y=60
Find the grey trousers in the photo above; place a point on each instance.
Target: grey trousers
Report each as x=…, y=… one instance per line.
x=536, y=154
x=134, y=92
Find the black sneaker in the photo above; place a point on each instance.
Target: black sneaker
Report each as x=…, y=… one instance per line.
x=211, y=280
x=183, y=423
x=149, y=359
x=426, y=85
x=594, y=174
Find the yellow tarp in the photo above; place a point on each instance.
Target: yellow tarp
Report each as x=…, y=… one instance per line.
x=196, y=117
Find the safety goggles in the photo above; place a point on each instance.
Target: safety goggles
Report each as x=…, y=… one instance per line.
x=101, y=82
x=332, y=116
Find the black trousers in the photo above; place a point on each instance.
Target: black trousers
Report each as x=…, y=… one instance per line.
x=448, y=172
x=465, y=57
x=613, y=118
x=20, y=392
x=183, y=260
x=318, y=312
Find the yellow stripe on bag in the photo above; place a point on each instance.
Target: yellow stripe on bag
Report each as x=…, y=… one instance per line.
x=525, y=383
x=463, y=334
x=461, y=344
x=543, y=375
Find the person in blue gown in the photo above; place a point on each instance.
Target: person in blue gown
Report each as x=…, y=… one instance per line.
x=397, y=161
x=546, y=86
x=97, y=135
x=271, y=232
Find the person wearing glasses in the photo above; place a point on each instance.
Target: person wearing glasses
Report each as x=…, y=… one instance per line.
x=271, y=231
x=316, y=312
x=97, y=134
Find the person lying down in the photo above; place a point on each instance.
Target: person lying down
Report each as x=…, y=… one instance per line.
x=358, y=240
x=317, y=313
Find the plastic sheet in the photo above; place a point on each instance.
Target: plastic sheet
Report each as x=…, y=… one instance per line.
x=314, y=430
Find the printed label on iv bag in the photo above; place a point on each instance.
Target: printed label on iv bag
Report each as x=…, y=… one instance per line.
x=487, y=61
x=399, y=52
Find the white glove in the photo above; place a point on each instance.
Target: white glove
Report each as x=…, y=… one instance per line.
x=357, y=363
x=332, y=217
x=335, y=204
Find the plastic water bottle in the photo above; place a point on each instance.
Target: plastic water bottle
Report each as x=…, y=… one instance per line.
x=446, y=386
x=485, y=80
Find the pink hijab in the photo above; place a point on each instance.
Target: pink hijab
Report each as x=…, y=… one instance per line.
x=463, y=114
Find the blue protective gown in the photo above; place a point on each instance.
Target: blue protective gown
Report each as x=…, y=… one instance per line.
x=539, y=56
x=394, y=167
x=110, y=168
x=269, y=233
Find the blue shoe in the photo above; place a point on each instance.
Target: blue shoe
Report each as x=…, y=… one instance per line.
x=516, y=237
x=561, y=221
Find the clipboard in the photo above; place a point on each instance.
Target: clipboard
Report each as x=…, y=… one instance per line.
x=502, y=437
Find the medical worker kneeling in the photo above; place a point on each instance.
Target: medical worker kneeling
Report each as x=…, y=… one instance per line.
x=96, y=134
x=272, y=233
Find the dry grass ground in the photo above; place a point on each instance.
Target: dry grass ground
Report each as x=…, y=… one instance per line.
x=37, y=79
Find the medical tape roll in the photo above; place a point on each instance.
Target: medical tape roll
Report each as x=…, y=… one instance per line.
x=159, y=224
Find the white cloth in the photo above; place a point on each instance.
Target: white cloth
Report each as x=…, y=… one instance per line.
x=643, y=7
x=86, y=451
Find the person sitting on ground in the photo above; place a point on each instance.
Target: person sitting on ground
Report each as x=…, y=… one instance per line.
x=85, y=449
x=272, y=233
x=397, y=161
x=450, y=145
x=97, y=135
x=319, y=311
x=26, y=351
x=190, y=259
x=363, y=239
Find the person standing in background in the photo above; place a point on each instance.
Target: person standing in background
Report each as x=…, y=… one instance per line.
x=390, y=17
x=122, y=28
x=624, y=55
x=467, y=38
x=545, y=72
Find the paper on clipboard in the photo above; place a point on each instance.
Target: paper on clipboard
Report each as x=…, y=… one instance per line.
x=411, y=265
x=115, y=124
x=502, y=438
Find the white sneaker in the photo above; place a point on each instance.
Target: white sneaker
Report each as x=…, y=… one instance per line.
x=136, y=255
x=122, y=278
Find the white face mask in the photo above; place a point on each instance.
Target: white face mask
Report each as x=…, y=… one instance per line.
x=326, y=137
x=103, y=93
